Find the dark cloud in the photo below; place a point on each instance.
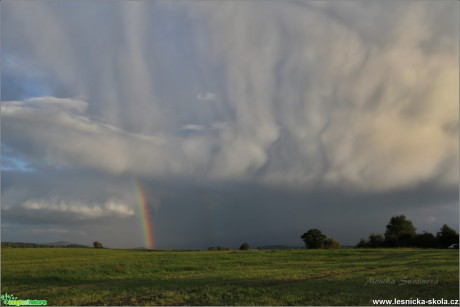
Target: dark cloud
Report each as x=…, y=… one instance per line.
x=197, y=214
x=243, y=121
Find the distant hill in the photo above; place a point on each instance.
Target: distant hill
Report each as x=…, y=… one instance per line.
x=38, y=245
x=62, y=244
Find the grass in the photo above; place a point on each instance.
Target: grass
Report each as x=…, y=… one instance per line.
x=283, y=277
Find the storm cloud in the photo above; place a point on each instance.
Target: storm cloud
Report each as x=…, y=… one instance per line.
x=242, y=120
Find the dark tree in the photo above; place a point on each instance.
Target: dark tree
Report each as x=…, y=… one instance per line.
x=399, y=232
x=362, y=243
x=425, y=240
x=375, y=240
x=97, y=244
x=313, y=238
x=244, y=247
x=447, y=236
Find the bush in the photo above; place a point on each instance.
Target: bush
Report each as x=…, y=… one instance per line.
x=331, y=243
x=362, y=244
x=244, y=247
x=218, y=248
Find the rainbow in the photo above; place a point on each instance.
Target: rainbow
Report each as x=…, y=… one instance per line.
x=145, y=214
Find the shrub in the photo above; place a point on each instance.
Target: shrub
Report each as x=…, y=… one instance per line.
x=331, y=243
x=244, y=246
x=218, y=248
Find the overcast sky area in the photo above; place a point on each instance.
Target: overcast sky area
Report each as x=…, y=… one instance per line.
x=243, y=121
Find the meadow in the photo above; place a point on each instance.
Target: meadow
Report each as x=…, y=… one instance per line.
x=74, y=276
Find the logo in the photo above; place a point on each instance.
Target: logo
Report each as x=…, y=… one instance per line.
x=11, y=300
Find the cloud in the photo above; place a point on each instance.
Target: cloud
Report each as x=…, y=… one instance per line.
x=198, y=214
x=47, y=103
x=48, y=129
x=342, y=103
x=208, y=96
x=193, y=127
x=57, y=231
x=80, y=209
x=339, y=105
x=329, y=105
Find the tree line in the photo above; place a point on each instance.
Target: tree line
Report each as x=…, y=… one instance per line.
x=35, y=245
x=400, y=232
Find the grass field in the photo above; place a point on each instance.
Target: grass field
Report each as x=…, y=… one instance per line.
x=282, y=277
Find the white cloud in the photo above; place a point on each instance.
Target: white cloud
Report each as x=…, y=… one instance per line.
x=208, y=96
x=81, y=209
x=61, y=137
x=357, y=109
x=307, y=93
x=193, y=127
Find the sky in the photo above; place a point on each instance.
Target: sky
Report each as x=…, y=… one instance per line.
x=240, y=121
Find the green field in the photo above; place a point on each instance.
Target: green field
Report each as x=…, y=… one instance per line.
x=66, y=276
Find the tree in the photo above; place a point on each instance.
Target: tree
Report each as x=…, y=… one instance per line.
x=375, y=240
x=362, y=243
x=313, y=238
x=97, y=244
x=331, y=243
x=425, y=240
x=244, y=247
x=447, y=236
x=399, y=232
